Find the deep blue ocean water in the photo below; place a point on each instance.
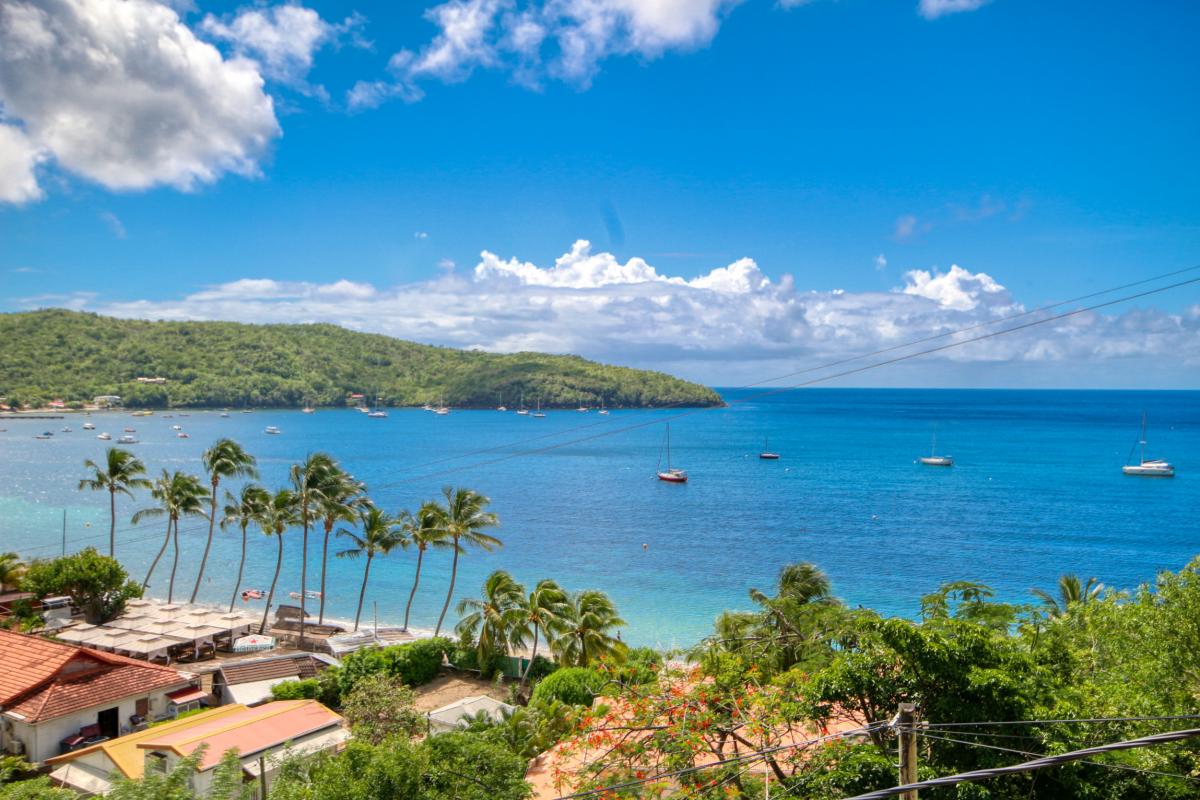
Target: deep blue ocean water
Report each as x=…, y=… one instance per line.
x=1036, y=491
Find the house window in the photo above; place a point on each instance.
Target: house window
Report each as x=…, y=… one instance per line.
x=156, y=762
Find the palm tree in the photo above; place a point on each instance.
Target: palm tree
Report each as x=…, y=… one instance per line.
x=178, y=494
x=583, y=632
x=241, y=510
x=225, y=459
x=121, y=475
x=12, y=568
x=340, y=501
x=493, y=618
x=276, y=516
x=464, y=520
x=424, y=531
x=1071, y=593
x=540, y=613
x=307, y=480
x=380, y=536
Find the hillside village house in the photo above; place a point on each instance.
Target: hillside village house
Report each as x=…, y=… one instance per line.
x=259, y=735
x=54, y=697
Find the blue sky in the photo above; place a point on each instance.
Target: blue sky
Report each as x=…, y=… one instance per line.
x=838, y=144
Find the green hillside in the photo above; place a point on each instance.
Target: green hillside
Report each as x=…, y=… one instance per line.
x=77, y=356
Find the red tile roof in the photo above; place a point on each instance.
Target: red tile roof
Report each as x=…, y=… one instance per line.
x=40, y=679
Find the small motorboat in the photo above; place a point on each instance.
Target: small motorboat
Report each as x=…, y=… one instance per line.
x=272, y=430
x=176, y=427
x=377, y=414
x=88, y=426
x=131, y=430
x=127, y=439
x=66, y=430
x=1148, y=468
x=252, y=594
x=182, y=435
x=225, y=414
x=104, y=437
x=44, y=435
x=310, y=594
x=767, y=454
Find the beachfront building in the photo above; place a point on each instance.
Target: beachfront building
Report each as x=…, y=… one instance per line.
x=249, y=682
x=456, y=715
x=106, y=400
x=257, y=734
x=54, y=697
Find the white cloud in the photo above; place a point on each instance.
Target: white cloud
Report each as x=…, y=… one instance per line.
x=122, y=93
x=729, y=324
x=932, y=9
x=881, y=262
x=283, y=39
x=18, y=158
x=114, y=224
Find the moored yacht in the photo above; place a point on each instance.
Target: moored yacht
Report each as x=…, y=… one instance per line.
x=1148, y=468
x=933, y=459
x=671, y=474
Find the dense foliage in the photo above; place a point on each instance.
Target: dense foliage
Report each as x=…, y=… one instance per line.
x=576, y=686
x=77, y=356
x=96, y=584
x=414, y=664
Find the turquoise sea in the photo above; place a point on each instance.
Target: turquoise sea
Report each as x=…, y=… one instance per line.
x=1036, y=491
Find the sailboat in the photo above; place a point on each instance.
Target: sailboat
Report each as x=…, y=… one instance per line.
x=766, y=454
x=442, y=409
x=670, y=474
x=603, y=410
x=1153, y=468
x=502, y=407
x=523, y=411
x=538, y=412
x=582, y=408
x=933, y=459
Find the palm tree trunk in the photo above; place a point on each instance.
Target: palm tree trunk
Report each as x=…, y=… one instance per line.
x=271, y=594
x=212, y=521
x=174, y=564
x=532, y=656
x=303, y=579
x=241, y=568
x=416, y=583
x=112, y=531
x=450, y=593
x=161, y=550
x=324, y=562
x=362, y=592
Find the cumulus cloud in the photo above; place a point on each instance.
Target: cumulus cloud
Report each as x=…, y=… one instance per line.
x=932, y=9
x=283, y=39
x=732, y=322
x=18, y=158
x=122, y=93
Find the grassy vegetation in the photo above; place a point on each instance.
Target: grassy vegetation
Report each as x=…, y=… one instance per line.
x=76, y=356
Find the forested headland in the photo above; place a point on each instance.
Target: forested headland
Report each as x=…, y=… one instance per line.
x=75, y=356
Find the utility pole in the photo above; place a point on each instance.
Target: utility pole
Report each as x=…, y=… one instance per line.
x=905, y=722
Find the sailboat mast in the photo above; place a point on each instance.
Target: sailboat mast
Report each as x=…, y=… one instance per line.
x=668, y=447
x=1143, y=441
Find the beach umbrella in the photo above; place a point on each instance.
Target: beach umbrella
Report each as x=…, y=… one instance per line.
x=253, y=642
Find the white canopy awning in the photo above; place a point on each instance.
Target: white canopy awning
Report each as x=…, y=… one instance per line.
x=82, y=778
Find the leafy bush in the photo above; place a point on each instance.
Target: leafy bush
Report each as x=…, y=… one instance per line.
x=540, y=668
x=577, y=686
x=308, y=689
x=414, y=663
x=380, y=707
x=639, y=667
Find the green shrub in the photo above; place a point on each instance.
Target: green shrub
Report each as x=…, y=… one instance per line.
x=577, y=686
x=414, y=663
x=308, y=689
x=640, y=666
x=541, y=667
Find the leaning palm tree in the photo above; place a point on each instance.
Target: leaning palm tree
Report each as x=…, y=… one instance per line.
x=307, y=481
x=276, y=516
x=178, y=494
x=241, y=510
x=583, y=631
x=464, y=520
x=12, y=568
x=122, y=473
x=1071, y=593
x=540, y=613
x=491, y=620
x=342, y=497
x=380, y=535
x=225, y=459
x=424, y=531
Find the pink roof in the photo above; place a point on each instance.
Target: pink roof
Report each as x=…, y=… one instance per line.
x=249, y=731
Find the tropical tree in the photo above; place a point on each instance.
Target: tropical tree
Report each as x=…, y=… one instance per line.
x=540, y=612
x=178, y=494
x=380, y=535
x=342, y=497
x=11, y=570
x=242, y=510
x=121, y=474
x=225, y=459
x=424, y=531
x=95, y=583
x=464, y=519
x=491, y=620
x=1071, y=593
x=583, y=632
x=308, y=479
x=276, y=516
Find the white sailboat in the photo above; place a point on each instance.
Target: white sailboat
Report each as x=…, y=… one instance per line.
x=671, y=474
x=523, y=411
x=538, y=412
x=1148, y=468
x=767, y=454
x=933, y=459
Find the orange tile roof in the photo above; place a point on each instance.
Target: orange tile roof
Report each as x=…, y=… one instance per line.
x=36, y=683
x=249, y=731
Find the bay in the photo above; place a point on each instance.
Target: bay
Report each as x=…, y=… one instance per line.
x=1036, y=491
